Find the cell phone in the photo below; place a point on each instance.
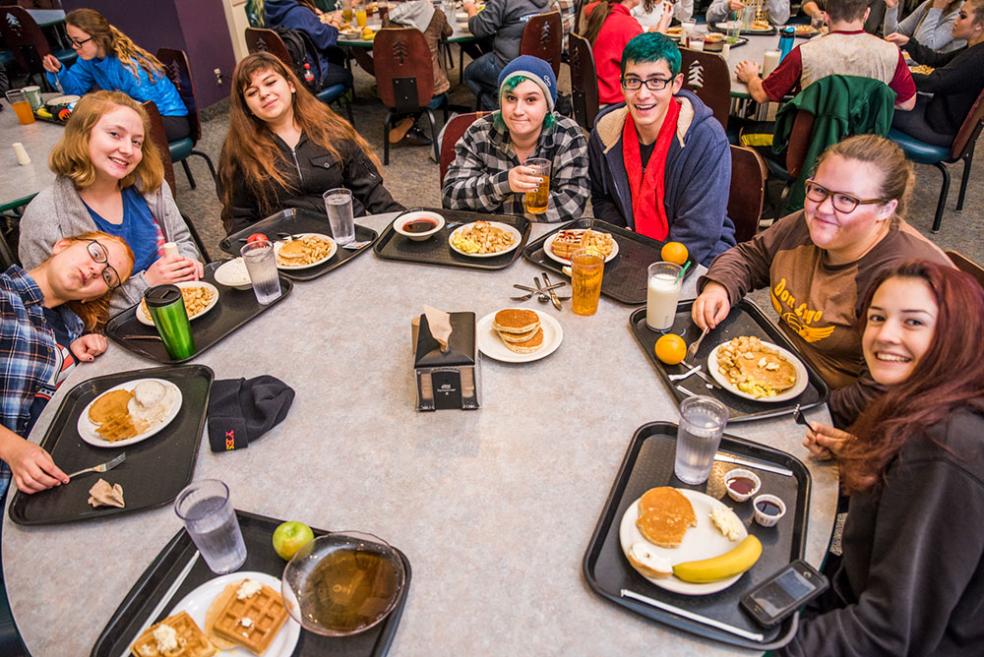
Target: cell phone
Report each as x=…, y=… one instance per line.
x=784, y=593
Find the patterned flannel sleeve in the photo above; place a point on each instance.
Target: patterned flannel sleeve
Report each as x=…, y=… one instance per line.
x=569, y=188
x=471, y=183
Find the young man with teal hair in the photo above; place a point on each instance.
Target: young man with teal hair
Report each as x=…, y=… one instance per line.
x=660, y=163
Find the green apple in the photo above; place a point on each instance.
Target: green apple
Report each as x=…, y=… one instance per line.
x=289, y=537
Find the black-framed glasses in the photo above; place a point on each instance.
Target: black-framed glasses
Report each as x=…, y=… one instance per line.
x=100, y=256
x=653, y=84
x=78, y=43
x=842, y=202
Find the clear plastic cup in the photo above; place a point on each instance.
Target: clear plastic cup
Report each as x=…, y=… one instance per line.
x=207, y=513
x=338, y=205
x=702, y=422
x=261, y=263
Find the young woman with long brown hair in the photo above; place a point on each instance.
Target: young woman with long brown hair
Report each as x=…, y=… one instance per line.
x=911, y=579
x=285, y=148
x=110, y=60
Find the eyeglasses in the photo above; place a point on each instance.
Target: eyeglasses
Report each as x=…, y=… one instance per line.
x=100, y=255
x=653, y=84
x=77, y=43
x=843, y=203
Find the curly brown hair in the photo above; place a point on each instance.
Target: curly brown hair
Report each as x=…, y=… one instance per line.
x=111, y=40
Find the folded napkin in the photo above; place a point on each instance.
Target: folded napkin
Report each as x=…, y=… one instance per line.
x=241, y=410
x=439, y=323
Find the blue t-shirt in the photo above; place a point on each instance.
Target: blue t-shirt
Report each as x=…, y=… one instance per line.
x=138, y=229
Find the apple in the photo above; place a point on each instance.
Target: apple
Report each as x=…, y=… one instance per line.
x=256, y=237
x=291, y=536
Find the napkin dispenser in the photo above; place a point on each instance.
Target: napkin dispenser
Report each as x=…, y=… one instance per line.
x=452, y=378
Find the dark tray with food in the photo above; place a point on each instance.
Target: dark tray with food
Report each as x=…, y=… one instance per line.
x=745, y=319
x=438, y=248
x=232, y=309
x=293, y=222
x=717, y=45
x=146, y=485
x=648, y=463
x=50, y=118
x=759, y=28
x=626, y=275
x=178, y=570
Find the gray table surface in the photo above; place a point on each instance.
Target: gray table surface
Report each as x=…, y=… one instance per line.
x=494, y=507
x=753, y=51
x=20, y=183
x=460, y=34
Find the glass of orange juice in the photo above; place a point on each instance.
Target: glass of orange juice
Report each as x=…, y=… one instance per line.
x=21, y=105
x=587, y=271
x=360, y=16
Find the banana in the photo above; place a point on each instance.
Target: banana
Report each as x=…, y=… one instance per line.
x=738, y=560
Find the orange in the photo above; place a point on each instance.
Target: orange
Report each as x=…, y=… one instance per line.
x=674, y=252
x=671, y=349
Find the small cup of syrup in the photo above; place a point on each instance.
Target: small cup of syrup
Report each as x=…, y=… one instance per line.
x=742, y=484
x=418, y=225
x=768, y=510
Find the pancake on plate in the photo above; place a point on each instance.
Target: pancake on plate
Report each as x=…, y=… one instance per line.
x=519, y=329
x=665, y=515
x=755, y=368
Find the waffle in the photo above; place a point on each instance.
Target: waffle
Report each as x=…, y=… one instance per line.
x=265, y=612
x=191, y=640
x=566, y=242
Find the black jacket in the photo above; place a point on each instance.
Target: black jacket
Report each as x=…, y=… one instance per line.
x=955, y=84
x=312, y=172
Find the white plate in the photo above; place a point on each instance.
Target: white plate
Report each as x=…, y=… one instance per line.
x=701, y=542
x=87, y=429
x=233, y=273
x=547, y=244
x=145, y=319
x=331, y=251
x=198, y=601
x=802, y=376
x=517, y=238
x=491, y=345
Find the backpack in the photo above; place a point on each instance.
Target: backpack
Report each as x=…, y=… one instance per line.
x=302, y=51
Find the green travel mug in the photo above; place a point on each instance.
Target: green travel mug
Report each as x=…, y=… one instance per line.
x=167, y=309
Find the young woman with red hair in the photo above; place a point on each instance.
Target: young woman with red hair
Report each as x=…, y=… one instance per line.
x=911, y=580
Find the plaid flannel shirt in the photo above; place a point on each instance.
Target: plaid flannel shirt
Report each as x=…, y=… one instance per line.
x=478, y=179
x=27, y=351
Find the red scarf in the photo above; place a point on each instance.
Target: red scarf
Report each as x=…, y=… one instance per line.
x=648, y=186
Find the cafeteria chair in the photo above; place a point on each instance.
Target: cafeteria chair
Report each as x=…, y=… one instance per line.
x=962, y=148
x=261, y=39
x=584, y=81
x=453, y=130
x=179, y=71
x=27, y=42
x=159, y=138
x=706, y=74
x=33, y=4
x=964, y=263
x=543, y=37
x=405, y=79
x=746, y=198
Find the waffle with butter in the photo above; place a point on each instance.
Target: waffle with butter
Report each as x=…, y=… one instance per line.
x=252, y=620
x=175, y=636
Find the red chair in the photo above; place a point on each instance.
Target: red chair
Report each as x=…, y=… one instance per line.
x=453, y=130
x=543, y=37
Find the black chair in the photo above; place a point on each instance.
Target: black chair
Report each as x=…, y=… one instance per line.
x=584, y=81
x=27, y=42
x=179, y=71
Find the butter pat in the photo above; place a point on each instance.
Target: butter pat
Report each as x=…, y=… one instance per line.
x=248, y=589
x=727, y=522
x=166, y=638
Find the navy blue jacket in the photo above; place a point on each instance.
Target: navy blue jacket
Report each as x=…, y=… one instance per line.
x=697, y=180
x=294, y=16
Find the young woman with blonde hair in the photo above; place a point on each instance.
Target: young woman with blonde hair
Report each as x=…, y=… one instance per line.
x=110, y=60
x=285, y=148
x=110, y=178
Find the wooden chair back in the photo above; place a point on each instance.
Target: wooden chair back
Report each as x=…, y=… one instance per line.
x=584, y=81
x=33, y=4
x=746, y=200
x=23, y=37
x=543, y=37
x=706, y=74
x=159, y=138
x=402, y=63
x=261, y=39
x=964, y=263
x=178, y=69
x=799, y=143
x=453, y=130
x=969, y=130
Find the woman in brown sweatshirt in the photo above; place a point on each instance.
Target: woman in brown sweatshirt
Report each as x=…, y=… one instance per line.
x=818, y=262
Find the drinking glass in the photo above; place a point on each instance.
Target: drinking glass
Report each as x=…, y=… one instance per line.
x=587, y=271
x=662, y=295
x=338, y=205
x=697, y=42
x=261, y=263
x=688, y=30
x=211, y=522
x=361, y=17
x=734, y=28
x=536, y=202
x=702, y=421
x=748, y=16
x=21, y=106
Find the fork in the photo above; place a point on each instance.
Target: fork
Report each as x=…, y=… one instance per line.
x=102, y=467
x=692, y=349
x=801, y=419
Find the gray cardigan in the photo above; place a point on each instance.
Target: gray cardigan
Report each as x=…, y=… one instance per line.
x=59, y=212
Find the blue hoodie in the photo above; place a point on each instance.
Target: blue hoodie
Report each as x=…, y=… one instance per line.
x=108, y=73
x=291, y=15
x=697, y=179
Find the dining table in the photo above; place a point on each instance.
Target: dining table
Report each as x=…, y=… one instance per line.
x=493, y=507
x=19, y=183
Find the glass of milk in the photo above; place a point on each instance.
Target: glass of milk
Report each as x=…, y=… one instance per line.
x=663, y=294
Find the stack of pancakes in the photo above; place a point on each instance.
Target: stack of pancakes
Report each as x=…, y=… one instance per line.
x=519, y=329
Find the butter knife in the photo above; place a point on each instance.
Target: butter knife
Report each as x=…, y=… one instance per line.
x=725, y=458
x=553, y=295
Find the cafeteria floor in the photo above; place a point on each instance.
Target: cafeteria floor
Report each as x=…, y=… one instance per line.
x=412, y=177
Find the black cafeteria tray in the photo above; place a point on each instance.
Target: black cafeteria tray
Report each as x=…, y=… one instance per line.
x=234, y=308
x=53, y=119
x=648, y=463
x=716, y=45
x=155, y=470
x=769, y=32
x=437, y=250
x=745, y=318
x=293, y=222
x=626, y=276
x=163, y=572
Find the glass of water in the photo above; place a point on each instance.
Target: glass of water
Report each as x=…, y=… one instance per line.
x=261, y=263
x=702, y=421
x=338, y=205
x=211, y=522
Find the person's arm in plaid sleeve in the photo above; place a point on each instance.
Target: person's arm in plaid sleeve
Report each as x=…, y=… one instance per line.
x=471, y=184
x=569, y=188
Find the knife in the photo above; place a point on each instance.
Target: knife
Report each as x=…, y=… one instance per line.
x=699, y=372
x=553, y=295
x=725, y=458
x=753, y=636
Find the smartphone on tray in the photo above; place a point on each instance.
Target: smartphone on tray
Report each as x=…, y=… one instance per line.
x=784, y=593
